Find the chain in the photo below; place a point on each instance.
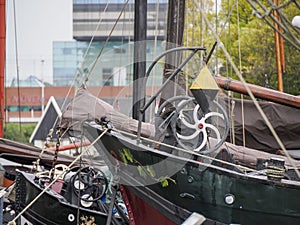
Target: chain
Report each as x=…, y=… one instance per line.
x=58, y=133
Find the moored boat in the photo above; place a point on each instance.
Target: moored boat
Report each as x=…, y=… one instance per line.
x=190, y=169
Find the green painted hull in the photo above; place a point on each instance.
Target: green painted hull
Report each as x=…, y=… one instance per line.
x=200, y=187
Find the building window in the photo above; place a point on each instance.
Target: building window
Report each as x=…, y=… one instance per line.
x=119, y=50
x=107, y=77
x=67, y=51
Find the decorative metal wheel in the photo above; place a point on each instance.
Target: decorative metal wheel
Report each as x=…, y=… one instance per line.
x=195, y=128
x=89, y=184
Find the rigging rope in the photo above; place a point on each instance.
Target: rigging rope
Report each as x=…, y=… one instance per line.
x=288, y=30
x=92, y=39
x=12, y=222
x=17, y=65
x=151, y=113
x=240, y=66
x=106, y=41
x=243, y=168
x=252, y=96
x=78, y=72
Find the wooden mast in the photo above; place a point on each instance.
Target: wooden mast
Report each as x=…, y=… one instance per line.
x=280, y=61
x=175, y=27
x=2, y=62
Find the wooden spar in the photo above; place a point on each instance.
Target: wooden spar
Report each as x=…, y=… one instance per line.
x=175, y=29
x=2, y=62
x=259, y=92
x=279, y=49
x=69, y=146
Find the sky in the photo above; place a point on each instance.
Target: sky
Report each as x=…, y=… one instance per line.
x=38, y=24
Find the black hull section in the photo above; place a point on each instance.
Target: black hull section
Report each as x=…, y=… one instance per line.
x=51, y=208
x=148, y=207
x=218, y=193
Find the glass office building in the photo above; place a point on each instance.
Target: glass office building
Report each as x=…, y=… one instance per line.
x=74, y=63
x=79, y=60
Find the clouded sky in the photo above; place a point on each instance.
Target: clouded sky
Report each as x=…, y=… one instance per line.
x=38, y=24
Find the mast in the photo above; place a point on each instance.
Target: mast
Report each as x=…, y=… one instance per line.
x=2, y=62
x=280, y=61
x=175, y=28
x=139, y=63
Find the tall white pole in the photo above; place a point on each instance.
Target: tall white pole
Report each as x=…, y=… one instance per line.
x=43, y=86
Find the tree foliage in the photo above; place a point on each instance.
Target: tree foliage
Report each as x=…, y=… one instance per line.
x=249, y=40
x=15, y=132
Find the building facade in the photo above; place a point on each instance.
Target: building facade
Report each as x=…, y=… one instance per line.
x=103, y=62
x=74, y=61
x=98, y=17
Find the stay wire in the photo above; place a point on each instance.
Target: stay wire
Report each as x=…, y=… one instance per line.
x=17, y=67
x=78, y=72
x=267, y=16
x=252, y=96
x=106, y=41
x=93, y=37
x=13, y=222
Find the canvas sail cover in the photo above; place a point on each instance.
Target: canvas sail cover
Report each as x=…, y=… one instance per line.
x=87, y=107
x=284, y=119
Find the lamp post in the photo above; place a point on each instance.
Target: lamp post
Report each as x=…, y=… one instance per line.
x=43, y=86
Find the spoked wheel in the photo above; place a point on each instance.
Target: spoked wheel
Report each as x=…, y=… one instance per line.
x=196, y=129
x=89, y=185
x=201, y=130
x=167, y=110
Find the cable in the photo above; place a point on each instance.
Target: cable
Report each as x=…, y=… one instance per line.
x=17, y=65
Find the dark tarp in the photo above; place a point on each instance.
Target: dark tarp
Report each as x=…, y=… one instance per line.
x=284, y=119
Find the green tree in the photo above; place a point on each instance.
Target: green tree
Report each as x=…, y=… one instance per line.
x=13, y=131
x=249, y=40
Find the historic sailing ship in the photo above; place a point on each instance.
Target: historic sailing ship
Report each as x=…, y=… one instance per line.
x=183, y=164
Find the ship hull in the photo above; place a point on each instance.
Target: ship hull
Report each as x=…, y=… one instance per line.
x=220, y=194
x=51, y=208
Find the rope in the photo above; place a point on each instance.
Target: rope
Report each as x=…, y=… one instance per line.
x=240, y=65
x=232, y=106
x=91, y=41
x=244, y=168
x=56, y=178
x=83, y=60
x=252, y=96
x=282, y=24
x=106, y=41
x=17, y=65
x=154, y=50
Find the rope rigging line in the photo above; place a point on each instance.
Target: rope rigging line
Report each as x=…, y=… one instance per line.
x=17, y=65
x=155, y=49
x=240, y=66
x=106, y=41
x=269, y=125
x=244, y=168
x=13, y=222
x=92, y=39
x=283, y=25
x=78, y=72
